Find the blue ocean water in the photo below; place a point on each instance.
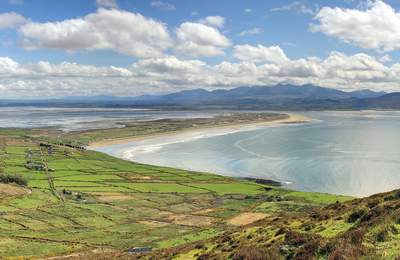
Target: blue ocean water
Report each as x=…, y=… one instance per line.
x=352, y=153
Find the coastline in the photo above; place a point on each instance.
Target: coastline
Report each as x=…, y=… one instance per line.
x=292, y=119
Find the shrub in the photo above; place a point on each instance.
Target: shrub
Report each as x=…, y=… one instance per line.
x=356, y=236
x=346, y=251
x=382, y=235
x=353, y=217
x=249, y=253
x=199, y=245
x=17, y=179
x=394, y=196
x=384, y=232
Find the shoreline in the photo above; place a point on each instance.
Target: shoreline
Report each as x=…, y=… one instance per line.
x=292, y=119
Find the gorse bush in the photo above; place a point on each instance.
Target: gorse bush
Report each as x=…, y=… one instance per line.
x=353, y=217
x=393, y=196
x=7, y=178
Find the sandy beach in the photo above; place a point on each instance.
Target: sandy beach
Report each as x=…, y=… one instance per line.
x=292, y=119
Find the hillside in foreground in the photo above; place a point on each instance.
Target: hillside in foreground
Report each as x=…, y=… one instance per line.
x=367, y=228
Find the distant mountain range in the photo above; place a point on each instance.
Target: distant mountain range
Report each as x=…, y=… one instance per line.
x=287, y=97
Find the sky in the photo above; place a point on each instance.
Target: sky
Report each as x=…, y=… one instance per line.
x=133, y=47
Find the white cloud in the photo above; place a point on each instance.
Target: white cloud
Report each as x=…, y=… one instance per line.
x=259, y=53
x=107, y=3
x=376, y=27
x=195, y=39
x=107, y=29
x=297, y=6
x=252, y=31
x=354, y=69
x=163, y=5
x=248, y=10
x=9, y=67
x=215, y=21
x=11, y=20
x=169, y=73
x=169, y=64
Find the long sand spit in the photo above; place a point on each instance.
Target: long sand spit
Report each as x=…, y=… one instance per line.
x=291, y=119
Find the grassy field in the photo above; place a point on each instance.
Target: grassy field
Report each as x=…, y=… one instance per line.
x=85, y=201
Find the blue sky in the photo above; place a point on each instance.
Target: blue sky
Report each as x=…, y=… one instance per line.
x=132, y=47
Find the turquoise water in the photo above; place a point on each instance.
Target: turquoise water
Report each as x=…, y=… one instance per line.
x=353, y=153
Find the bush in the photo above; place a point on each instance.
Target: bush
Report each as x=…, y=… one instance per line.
x=17, y=179
x=356, y=215
x=356, y=236
x=382, y=235
x=394, y=196
x=249, y=253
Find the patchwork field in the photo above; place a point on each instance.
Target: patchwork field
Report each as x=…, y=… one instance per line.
x=84, y=201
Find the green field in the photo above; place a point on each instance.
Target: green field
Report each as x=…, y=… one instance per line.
x=87, y=200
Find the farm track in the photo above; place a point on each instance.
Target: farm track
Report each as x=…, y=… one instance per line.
x=50, y=177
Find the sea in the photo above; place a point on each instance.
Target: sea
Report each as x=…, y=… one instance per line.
x=342, y=152
x=348, y=153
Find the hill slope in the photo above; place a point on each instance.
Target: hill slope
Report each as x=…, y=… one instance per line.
x=367, y=228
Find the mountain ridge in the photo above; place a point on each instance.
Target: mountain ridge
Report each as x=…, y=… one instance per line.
x=279, y=97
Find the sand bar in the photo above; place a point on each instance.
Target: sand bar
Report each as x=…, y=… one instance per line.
x=293, y=118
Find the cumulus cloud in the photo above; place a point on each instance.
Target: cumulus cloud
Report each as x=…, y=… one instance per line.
x=107, y=29
x=375, y=27
x=216, y=21
x=169, y=64
x=169, y=73
x=107, y=3
x=259, y=53
x=11, y=20
x=163, y=5
x=196, y=39
x=252, y=31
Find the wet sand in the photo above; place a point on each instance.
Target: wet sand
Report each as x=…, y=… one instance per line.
x=293, y=118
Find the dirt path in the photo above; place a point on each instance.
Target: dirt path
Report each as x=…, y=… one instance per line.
x=50, y=177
